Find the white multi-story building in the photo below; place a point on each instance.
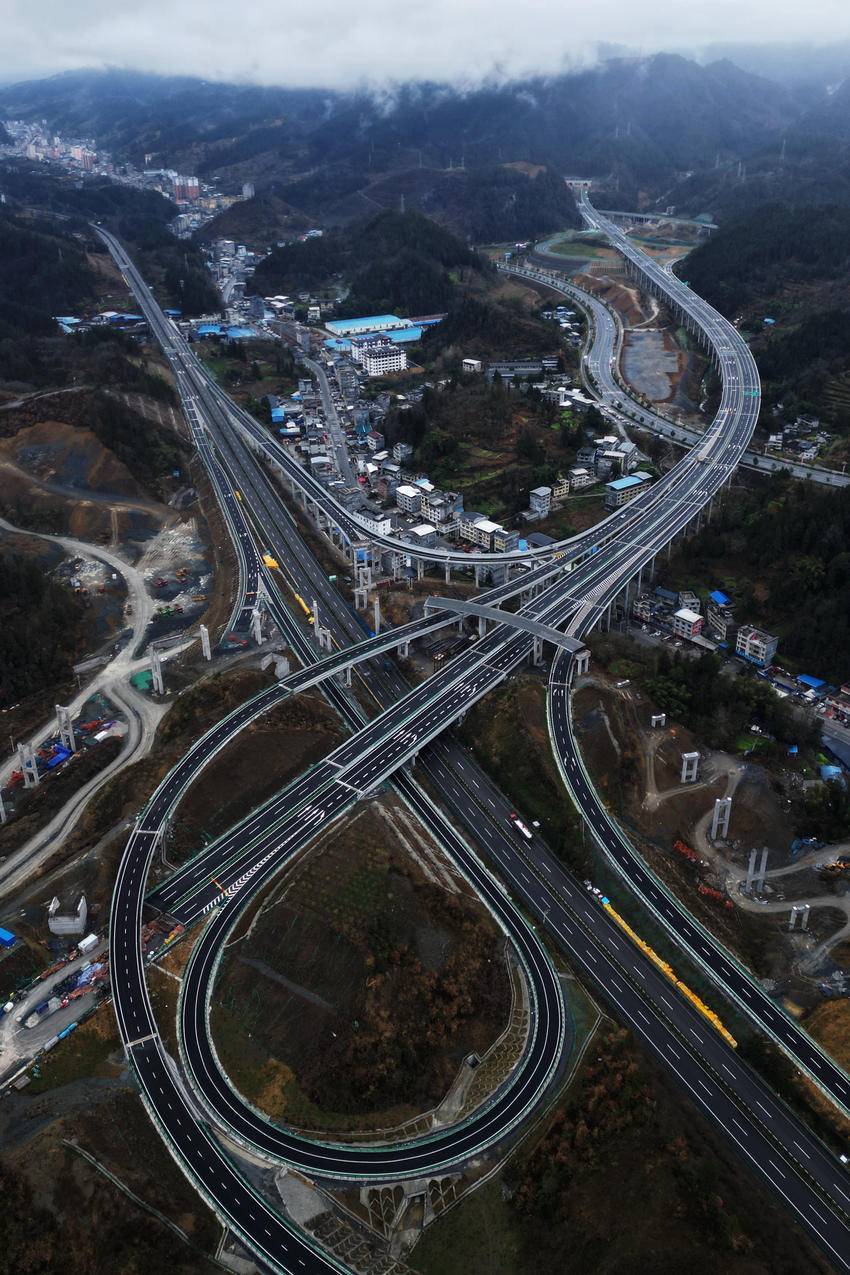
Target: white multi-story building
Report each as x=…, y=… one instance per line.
x=423, y=535
x=755, y=645
x=580, y=477
x=380, y=524
x=687, y=624
x=408, y=499
x=443, y=508
x=378, y=355
x=540, y=501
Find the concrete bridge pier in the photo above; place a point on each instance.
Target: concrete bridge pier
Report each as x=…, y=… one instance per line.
x=420, y=568
x=580, y=664
x=448, y=573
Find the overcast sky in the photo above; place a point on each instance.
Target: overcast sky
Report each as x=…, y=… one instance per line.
x=342, y=44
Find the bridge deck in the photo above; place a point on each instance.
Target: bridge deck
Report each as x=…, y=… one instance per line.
x=498, y=616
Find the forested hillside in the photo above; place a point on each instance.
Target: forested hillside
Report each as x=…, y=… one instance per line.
x=27, y=185
x=41, y=624
x=494, y=205
x=394, y=261
x=643, y=119
x=488, y=204
x=783, y=551
x=768, y=251
x=790, y=264
x=45, y=272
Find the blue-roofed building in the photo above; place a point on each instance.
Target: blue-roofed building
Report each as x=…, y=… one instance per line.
x=7, y=938
x=622, y=490
x=370, y=323
x=831, y=772
x=174, y=314
x=239, y=334
x=278, y=415
x=208, y=329
x=719, y=617
x=816, y=684
x=403, y=335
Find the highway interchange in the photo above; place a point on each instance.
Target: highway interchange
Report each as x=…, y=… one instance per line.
x=810, y=1180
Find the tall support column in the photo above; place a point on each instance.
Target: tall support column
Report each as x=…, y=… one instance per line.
x=66, y=729
x=377, y=623
x=29, y=765
x=448, y=572
x=690, y=768
x=420, y=568
x=257, y=626
x=3, y=815
x=156, y=672
x=720, y=817
x=482, y=626
x=205, y=642
x=316, y=625
x=580, y=663
x=751, y=870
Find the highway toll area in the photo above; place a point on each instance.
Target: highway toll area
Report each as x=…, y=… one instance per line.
x=355, y=992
